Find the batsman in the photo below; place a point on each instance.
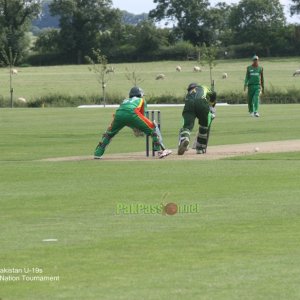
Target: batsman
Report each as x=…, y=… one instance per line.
x=131, y=113
x=200, y=103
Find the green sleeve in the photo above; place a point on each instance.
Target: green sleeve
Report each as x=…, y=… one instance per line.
x=247, y=77
x=262, y=80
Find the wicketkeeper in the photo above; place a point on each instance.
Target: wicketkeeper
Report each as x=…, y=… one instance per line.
x=131, y=113
x=200, y=103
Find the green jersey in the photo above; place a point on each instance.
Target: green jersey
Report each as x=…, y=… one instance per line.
x=254, y=76
x=200, y=92
x=134, y=104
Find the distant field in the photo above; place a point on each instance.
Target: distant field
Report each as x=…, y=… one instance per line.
x=32, y=82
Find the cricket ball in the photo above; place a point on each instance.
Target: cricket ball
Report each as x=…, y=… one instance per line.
x=171, y=209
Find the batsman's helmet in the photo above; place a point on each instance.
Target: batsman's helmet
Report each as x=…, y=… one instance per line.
x=213, y=97
x=192, y=86
x=136, y=92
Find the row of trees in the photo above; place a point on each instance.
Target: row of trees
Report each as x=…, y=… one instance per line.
x=240, y=30
x=15, y=19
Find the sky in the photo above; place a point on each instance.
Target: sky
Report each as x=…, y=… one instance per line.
x=144, y=6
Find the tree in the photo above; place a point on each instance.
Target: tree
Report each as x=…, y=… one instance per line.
x=132, y=43
x=133, y=77
x=288, y=41
x=208, y=56
x=217, y=24
x=100, y=68
x=188, y=15
x=15, y=17
x=148, y=38
x=81, y=24
x=47, y=41
x=257, y=22
x=9, y=59
x=295, y=9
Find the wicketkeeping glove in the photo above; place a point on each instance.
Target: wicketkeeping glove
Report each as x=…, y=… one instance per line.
x=137, y=132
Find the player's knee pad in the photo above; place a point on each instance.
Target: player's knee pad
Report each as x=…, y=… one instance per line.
x=184, y=132
x=157, y=143
x=202, y=137
x=203, y=130
x=106, y=138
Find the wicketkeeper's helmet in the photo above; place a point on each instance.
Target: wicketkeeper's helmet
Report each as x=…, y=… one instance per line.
x=136, y=92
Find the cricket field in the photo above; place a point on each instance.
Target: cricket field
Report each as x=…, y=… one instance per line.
x=85, y=229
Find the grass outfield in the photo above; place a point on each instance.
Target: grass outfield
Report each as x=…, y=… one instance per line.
x=242, y=243
x=30, y=134
x=33, y=82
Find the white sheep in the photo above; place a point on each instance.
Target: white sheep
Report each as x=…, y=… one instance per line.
x=110, y=69
x=224, y=75
x=197, y=69
x=297, y=72
x=160, y=76
x=178, y=68
x=14, y=71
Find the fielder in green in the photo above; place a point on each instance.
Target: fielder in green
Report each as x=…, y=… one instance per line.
x=131, y=113
x=254, y=80
x=200, y=103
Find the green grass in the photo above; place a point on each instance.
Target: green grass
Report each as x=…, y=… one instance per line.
x=243, y=244
x=34, y=82
x=28, y=134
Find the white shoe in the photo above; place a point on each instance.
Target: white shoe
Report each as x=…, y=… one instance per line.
x=252, y=114
x=164, y=153
x=256, y=114
x=201, y=151
x=183, y=146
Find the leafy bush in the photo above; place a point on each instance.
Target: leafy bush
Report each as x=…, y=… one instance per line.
x=61, y=100
x=244, y=50
x=272, y=96
x=180, y=51
x=275, y=96
x=165, y=99
x=123, y=53
x=5, y=102
x=25, y=65
x=233, y=98
x=48, y=59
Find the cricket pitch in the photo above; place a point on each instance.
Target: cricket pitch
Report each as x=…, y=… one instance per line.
x=213, y=152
